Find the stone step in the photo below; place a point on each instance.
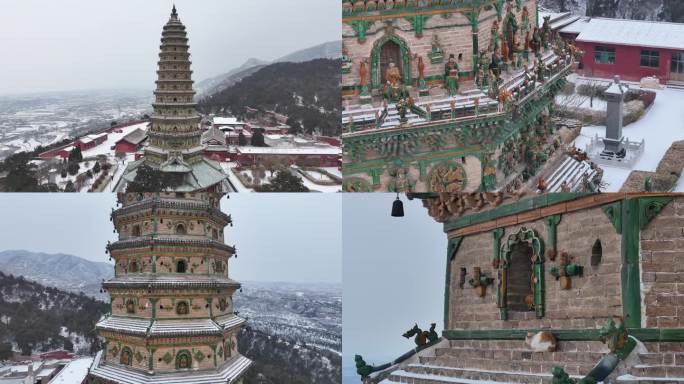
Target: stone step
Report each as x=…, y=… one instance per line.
x=519, y=345
x=430, y=374
x=518, y=354
x=665, y=371
x=529, y=366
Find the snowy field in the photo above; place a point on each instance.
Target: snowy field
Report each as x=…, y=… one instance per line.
x=662, y=125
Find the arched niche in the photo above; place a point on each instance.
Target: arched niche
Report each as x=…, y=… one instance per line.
x=381, y=52
x=527, y=241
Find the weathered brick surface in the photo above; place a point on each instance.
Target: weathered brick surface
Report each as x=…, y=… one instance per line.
x=662, y=268
x=593, y=298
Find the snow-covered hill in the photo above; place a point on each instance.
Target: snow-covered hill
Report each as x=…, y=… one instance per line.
x=66, y=272
x=207, y=87
x=654, y=10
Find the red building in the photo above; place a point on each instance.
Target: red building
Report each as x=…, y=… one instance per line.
x=132, y=142
x=90, y=141
x=301, y=156
x=631, y=49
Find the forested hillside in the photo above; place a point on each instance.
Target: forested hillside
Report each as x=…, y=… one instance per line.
x=35, y=318
x=308, y=93
x=655, y=10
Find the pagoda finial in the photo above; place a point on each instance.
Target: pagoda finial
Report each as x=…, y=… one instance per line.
x=173, y=11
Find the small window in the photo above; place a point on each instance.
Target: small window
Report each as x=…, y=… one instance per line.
x=182, y=308
x=126, y=356
x=650, y=59
x=133, y=268
x=604, y=55
x=181, y=266
x=136, y=231
x=180, y=229
x=130, y=306
x=214, y=233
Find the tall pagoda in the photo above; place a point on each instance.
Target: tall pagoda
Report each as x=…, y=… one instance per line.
x=172, y=318
x=175, y=146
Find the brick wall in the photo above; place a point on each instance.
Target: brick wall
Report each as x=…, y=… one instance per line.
x=662, y=268
x=588, y=304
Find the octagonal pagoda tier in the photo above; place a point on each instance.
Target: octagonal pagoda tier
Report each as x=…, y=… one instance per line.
x=172, y=317
x=175, y=145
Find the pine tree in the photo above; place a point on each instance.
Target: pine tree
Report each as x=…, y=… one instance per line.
x=258, y=138
x=284, y=181
x=96, y=168
x=242, y=140
x=75, y=155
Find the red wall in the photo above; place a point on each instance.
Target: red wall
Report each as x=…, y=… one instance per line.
x=125, y=147
x=627, y=63
x=301, y=160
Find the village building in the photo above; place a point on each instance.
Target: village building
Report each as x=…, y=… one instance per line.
x=631, y=49
x=172, y=317
x=451, y=97
x=554, y=288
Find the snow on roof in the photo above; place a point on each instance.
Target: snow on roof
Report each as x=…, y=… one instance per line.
x=74, y=372
x=135, y=137
x=577, y=27
x=557, y=20
x=633, y=32
x=327, y=150
x=227, y=121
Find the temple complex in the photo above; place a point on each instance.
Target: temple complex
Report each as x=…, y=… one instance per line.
x=175, y=138
x=172, y=318
x=557, y=288
x=453, y=96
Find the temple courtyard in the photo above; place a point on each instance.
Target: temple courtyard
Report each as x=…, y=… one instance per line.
x=660, y=127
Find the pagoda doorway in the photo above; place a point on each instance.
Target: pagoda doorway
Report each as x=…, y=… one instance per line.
x=390, y=49
x=390, y=53
x=520, y=290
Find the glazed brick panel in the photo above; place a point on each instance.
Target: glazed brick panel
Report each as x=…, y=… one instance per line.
x=593, y=298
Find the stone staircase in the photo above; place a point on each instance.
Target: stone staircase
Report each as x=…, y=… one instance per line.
x=498, y=361
x=654, y=367
x=572, y=172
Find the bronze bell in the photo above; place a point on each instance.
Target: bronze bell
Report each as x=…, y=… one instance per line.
x=596, y=253
x=397, y=208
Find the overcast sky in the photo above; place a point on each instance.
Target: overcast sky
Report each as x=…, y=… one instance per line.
x=279, y=237
x=98, y=44
x=393, y=276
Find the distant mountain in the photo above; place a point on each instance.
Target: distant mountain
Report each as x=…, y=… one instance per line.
x=653, y=10
x=66, y=272
x=329, y=50
x=308, y=93
x=35, y=318
x=223, y=81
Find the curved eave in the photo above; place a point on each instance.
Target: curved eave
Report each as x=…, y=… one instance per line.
x=151, y=281
x=149, y=242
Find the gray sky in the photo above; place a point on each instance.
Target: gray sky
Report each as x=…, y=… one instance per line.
x=96, y=44
x=279, y=237
x=393, y=276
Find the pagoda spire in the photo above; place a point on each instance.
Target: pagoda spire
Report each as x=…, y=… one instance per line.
x=173, y=11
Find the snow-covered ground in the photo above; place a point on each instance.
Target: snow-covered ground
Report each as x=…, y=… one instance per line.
x=662, y=125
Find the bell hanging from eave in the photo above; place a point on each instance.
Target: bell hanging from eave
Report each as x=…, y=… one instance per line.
x=398, y=208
